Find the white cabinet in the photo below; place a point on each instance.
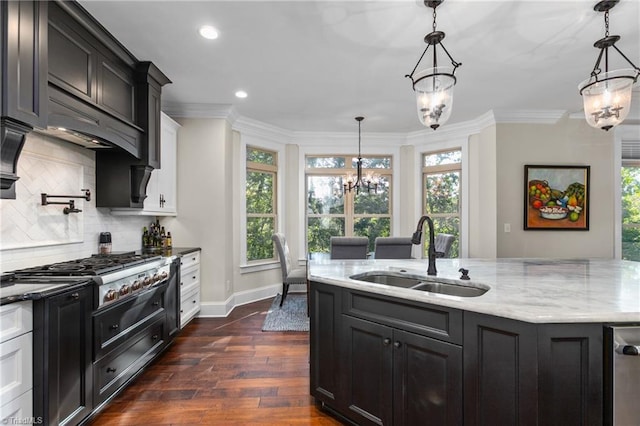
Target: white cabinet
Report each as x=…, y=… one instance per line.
x=16, y=362
x=162, y=186
x=189, y=287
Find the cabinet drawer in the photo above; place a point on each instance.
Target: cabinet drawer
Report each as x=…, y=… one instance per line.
x=119, y=366
x=17, y=409
x=15, y=319
x=189, y=307
x=16, y=367
x=189, y=260
x=434, y=321
x=189, y=280
x=115, y=324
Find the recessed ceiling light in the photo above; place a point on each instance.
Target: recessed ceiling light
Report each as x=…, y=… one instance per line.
x=241, y=94
x=208, y=32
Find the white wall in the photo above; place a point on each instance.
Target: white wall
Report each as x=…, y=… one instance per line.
x=568, y=142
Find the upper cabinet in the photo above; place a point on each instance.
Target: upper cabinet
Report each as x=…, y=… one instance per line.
x=65, y=75
x=161, y=191
x=23, y=92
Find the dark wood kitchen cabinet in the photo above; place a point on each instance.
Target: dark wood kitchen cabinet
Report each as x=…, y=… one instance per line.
x=23, y=88
x=380, y=360
x=63, y=381
x=532, y=374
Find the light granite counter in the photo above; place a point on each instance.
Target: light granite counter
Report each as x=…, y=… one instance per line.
x=531, y=290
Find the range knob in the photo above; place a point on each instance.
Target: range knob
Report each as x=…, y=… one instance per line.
x=164, y=275
x=156, y=278
x=110, y=296
x=147, y=282
x=137, y=285
x=124, y=290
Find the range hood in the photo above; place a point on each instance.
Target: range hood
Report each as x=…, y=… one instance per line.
x=75, y=137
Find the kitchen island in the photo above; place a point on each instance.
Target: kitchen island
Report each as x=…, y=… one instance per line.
x=533, y=349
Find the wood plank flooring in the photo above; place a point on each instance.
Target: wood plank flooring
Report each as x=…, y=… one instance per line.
x=224, y=371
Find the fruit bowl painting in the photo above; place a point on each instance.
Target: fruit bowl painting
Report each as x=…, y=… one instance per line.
x=556, y=197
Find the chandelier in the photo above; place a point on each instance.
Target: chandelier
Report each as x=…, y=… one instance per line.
x=354, y=183
x=606, y=95
x=434, y=86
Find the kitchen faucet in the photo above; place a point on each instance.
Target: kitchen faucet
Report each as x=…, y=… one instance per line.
x=431, y=270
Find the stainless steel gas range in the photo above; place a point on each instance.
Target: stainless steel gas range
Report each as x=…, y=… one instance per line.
x=92, y=341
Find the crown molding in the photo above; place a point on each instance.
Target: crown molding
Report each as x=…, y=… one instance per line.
x=529, y=116
x=193, y=110
x=259, y=129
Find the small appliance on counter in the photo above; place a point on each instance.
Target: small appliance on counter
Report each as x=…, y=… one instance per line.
x=104, y=247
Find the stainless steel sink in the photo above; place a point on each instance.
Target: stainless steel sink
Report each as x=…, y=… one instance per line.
x=422, y=283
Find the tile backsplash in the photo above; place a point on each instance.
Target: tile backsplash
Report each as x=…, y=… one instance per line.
x=32, y=234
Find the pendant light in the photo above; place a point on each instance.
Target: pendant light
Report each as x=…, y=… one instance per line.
x=607, y=95
x=354, y=183
x=434, y=86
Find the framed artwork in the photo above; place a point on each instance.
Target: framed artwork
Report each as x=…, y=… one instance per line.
x=556, y=198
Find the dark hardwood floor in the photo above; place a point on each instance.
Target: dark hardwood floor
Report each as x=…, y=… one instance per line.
x=224, y=371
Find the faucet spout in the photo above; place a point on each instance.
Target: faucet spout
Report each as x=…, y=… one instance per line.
x=417, y=236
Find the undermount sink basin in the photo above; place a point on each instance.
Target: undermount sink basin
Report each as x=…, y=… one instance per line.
x=422, y=283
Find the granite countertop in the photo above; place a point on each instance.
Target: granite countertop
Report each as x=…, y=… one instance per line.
x=531, y=290
x=31, y=288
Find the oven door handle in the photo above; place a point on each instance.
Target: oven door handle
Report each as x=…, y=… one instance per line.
x=631, y=350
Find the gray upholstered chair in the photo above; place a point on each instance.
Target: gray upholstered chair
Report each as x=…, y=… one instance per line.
x=289, y=275
x=443, y=243
x=349, y=247
x=393, y=248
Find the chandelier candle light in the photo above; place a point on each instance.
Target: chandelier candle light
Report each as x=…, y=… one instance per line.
x=352, y=183
x=607, y=96
x=434, y=86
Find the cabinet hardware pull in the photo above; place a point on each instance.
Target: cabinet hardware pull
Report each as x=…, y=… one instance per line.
x=397, y=344
x=194, y=301
x=194, y=277
x=181, y=283
x=386, y=341
x=114, y=327
x=154, y=337
x=156, y=303
x=75, y=296
x=111, y=370
x=181, y=311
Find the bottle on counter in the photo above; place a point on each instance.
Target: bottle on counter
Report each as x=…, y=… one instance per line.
x=163, y=237
x=169, y=242
x=145, y=238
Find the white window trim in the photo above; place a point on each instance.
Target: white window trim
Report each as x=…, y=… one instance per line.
x=463, y=144
x=279, y=149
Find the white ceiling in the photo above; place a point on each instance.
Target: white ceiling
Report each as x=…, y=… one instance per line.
x=315, y=65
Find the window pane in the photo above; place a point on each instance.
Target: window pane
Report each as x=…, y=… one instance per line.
x=443, y=225
x=442, y=192
x=437, y=158
x=320, y=230
x=630, y=213
x=325, y=162
x=260, y=192
x=324, y=195
x=258, y=156
x=373, y=162
x=372, y=227
x=259, y=232
x=374, y=203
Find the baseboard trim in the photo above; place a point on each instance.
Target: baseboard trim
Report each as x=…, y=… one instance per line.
x=223, y=309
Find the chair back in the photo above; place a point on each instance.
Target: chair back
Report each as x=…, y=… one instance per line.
x=443, y=243
x=283, y=253
x=393, y=248
x=349, y=247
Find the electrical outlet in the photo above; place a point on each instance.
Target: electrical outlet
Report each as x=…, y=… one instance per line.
x=228, y=286
x=507, y=227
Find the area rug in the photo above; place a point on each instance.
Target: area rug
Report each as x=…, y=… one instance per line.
x=291, y=317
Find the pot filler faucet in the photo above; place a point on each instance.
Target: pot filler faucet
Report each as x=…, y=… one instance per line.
x=431, y=270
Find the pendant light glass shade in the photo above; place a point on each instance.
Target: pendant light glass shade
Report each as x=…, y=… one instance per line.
x=434, y=96
x=607, y=99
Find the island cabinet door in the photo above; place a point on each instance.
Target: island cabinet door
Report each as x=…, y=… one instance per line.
x=500, y=371
x=367, y=363
x=427, y=377
x=324, y=322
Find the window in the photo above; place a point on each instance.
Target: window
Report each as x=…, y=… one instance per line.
x=330, y=212
x=262, y=174
x=441, y=194
x=630, y=185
